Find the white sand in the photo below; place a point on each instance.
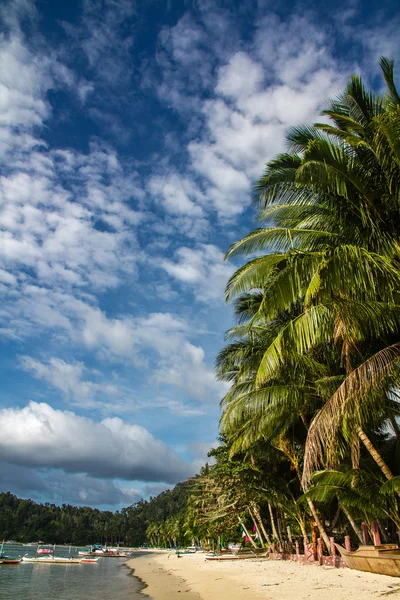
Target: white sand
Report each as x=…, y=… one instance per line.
x=168, y=577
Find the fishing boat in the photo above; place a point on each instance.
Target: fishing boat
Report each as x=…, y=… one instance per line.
x=384, y=559
x=8, y=560
x=52, y=560
x=45, y=556
x=88, y=559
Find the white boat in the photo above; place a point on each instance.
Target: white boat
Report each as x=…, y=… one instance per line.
x=52, y=560
x=88, y=559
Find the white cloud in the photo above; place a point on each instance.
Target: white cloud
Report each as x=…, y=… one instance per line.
x=159, y=342
x=64, y=214
x=177, y=195
x=187, y=371
x=202, y=268
x=71, y=379
x=40, y=436
x=242, y=76
x=283, y=78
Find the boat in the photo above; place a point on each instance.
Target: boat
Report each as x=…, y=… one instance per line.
x=88, y=559
x=52, y=560
x=384, y=559
x=234, y=556
x=8, y=560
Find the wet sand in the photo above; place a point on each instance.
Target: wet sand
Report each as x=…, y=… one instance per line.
x=168, y=577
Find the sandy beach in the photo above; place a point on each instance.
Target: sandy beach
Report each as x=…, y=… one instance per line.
x=167, y=577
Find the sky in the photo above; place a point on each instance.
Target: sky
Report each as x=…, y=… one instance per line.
x=131, y=136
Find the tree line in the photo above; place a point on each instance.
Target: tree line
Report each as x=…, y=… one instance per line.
x=27, y=521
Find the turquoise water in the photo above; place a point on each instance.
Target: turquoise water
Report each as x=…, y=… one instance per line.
x=108, y=579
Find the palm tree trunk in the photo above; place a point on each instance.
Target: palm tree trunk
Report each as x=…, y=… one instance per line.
x=247, y=533
x=257, y=524
x=261, y=524
x=274, y=531
x=352, y=522
x=375, y=454
x=314, y=513
x=303, y=531
x=321, y=528
x=279, y=524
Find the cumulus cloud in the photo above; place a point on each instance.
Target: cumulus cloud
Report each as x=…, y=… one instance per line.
x=72, y=380
x=187, y=371
x=40, y=436
x=91, y=390
x=175, y=194
x=248, y=98
x=202, y=269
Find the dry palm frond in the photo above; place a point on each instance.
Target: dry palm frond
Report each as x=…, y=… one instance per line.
x=349, y=402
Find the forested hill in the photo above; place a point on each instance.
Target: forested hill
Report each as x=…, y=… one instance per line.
x=27, y=521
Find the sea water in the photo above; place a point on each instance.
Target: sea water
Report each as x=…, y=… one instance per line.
x=108, y=579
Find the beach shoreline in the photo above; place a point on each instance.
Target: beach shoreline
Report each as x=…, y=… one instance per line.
x=166, y=577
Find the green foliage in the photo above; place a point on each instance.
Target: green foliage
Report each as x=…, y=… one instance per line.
x=27, y=521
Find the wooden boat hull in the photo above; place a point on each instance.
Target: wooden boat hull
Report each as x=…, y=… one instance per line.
x=10, y=561
x=384, y=560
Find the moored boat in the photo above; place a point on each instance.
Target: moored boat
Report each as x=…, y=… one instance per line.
x=8, y=560
x=384, y=559
x=52, y=560
x=87, y=559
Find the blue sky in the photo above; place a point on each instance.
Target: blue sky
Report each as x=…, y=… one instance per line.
x=131, y=135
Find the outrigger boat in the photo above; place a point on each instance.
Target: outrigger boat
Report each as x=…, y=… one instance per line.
x=384, y=559
x=52, y=560
x=103, y=551
x=7, y=560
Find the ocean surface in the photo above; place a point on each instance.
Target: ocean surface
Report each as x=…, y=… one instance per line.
x=108, y=579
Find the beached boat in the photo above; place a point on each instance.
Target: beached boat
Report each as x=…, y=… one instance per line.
x=234, y=556
x=384, y=559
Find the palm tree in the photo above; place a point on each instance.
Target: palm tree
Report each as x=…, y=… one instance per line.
x=275, y=413
x=333, y=264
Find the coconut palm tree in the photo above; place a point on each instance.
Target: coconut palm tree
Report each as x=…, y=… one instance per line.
x=275, y=412
x=333, y=254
